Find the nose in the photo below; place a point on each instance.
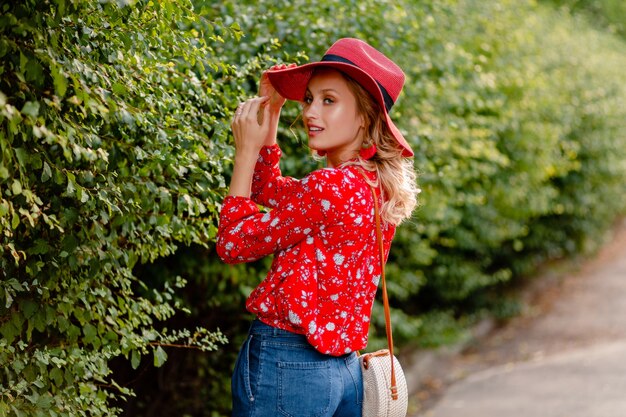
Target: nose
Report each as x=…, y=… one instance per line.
x=311, y=110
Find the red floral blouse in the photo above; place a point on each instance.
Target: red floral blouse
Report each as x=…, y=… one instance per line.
x=326, y=267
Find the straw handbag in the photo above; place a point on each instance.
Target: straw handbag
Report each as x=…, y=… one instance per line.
x=384, y=386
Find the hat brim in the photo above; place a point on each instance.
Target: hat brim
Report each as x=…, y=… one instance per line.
x=291, y=83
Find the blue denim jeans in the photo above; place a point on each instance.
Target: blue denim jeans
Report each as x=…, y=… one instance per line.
x=278, y=373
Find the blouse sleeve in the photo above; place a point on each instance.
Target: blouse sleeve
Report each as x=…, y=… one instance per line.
x=246, y=234
x=268, y=184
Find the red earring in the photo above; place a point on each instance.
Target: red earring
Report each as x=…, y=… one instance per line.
x=368, y=151
x=321, y=153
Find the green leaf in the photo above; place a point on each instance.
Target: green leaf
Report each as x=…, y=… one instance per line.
x=44, y=401
x=23, y=62
x=119, y=89
x=69, y=243
x=4, y=408
x=40, y=247
x=4, y=208
x=15, y=221
x=46, y=172
x=56, y=374
x=71, y=185
x=8, y=299
x=16, y=187
x=22, y=156
x=18, y=412
x=90, y=333
x=135, y=359
x=59, y=81
x=159, y=357
x=11, y=328
x=29, y=307
x=33, y=398
x=31, y=108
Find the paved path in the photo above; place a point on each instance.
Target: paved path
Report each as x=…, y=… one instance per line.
x=564, y=357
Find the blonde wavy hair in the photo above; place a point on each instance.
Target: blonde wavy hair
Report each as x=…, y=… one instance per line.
x=395, y=173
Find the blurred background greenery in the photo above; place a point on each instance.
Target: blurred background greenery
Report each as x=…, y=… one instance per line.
x=116, y=155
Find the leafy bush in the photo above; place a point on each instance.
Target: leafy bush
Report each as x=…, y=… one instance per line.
x=105, y=113
x=513, y=110
x=604, y=14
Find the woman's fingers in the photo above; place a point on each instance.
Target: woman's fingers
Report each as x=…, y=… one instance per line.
x=249, y=107
x=245, y=108
x=282, y=66
x=249, y=125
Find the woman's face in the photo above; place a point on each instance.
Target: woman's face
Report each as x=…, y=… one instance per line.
x=331, y=117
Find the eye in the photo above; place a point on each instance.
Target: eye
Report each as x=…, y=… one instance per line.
x=307, y=100
x=328, y=100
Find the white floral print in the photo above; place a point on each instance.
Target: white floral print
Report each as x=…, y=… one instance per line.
x=326, y=265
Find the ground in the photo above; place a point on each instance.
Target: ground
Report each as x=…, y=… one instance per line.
x=572, y=332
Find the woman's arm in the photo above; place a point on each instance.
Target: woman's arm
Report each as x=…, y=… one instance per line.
x=245, y=234
x=250, y=132
x=275, y=102
x=268, y=185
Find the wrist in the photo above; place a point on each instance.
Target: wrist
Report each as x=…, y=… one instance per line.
x=270, y=139
x=243, y=170
x=246, y=155
x=275, y=113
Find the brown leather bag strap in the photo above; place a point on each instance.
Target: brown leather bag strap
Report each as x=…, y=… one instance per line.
x=381, y=249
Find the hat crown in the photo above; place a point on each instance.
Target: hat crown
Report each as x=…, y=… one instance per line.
x=373, y=62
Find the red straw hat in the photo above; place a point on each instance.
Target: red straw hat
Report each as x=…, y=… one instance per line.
x=379, y=75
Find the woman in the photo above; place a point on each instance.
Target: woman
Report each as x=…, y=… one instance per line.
x=313, y=308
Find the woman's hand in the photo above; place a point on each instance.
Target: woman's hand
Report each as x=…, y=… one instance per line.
x=274, y=104
x=250, y=135
x=266, y=89
x=251, y=125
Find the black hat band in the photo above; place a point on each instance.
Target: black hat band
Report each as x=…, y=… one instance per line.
x=386, y=97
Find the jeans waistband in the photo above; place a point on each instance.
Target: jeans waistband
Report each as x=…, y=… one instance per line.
x=259, y=328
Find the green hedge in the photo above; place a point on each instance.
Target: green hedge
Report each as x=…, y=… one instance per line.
x=116, y=151
x=607, y=15
x=105, y=113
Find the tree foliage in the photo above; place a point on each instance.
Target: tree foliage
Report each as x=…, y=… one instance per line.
x=116, y=153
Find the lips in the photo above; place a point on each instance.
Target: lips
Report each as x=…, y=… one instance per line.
x=314, y=130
